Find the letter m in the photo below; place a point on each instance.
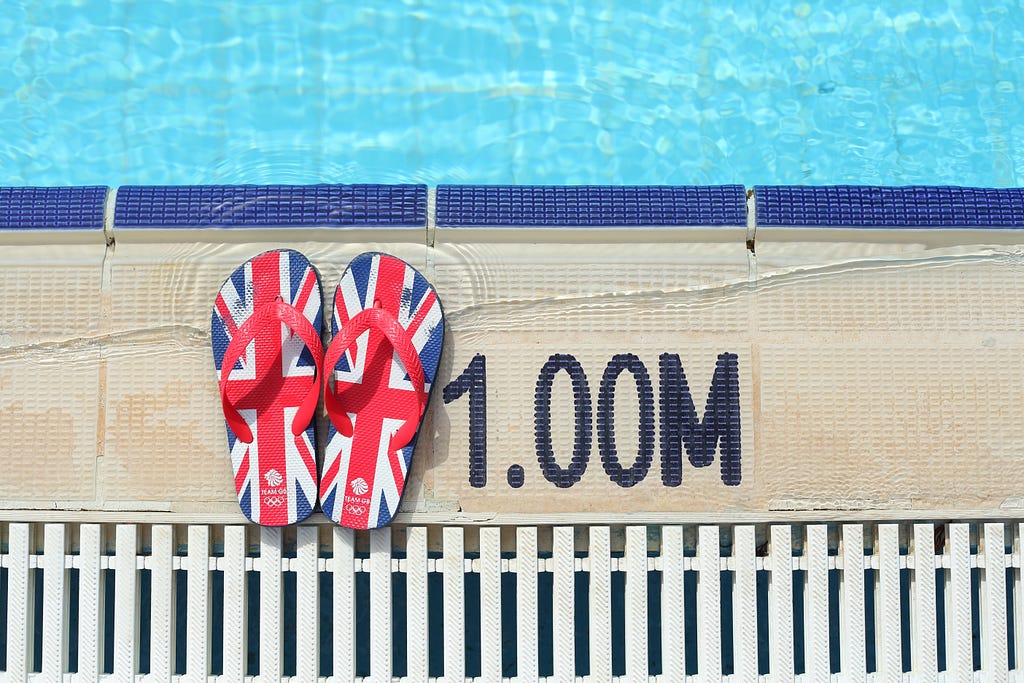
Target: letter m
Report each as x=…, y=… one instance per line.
x=680, y=427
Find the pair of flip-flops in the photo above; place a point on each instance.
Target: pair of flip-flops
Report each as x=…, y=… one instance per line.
x=388, y=330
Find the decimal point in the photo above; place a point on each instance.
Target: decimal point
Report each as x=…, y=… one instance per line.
x=515, y=476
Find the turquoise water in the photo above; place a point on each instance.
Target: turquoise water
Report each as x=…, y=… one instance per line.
x=642, y=91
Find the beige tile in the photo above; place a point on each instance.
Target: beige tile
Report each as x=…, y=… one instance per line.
x=48, y=426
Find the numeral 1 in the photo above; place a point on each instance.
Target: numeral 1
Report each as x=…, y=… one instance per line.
x=473, y=381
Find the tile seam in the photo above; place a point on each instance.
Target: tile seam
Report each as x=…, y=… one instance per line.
x=106, y=309
x=431, y=227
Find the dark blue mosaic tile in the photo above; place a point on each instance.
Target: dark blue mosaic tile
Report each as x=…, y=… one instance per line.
x=589, y=205
x=52, y=208
x=855, y=206
x=232, y=206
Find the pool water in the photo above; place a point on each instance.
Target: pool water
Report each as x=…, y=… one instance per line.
x=637, y=92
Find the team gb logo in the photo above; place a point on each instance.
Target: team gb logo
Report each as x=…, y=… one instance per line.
x=273, y=478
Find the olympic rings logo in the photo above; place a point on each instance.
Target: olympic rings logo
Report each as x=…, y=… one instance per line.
x=273, y=501
x=355, y=509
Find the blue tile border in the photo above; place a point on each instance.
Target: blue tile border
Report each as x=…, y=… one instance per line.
x=52, y=208
x=233, y=206
x=856, y=206
x=590, y=205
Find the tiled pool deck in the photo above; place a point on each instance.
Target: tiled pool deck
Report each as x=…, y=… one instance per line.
x=887, y=402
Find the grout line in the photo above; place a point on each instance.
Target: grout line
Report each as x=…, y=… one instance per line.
x=430, y=257
x=751, y=236
x=431, y=214
x=106, y=306
x=108, y=215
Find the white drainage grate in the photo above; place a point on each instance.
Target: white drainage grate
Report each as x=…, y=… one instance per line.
x=817, y=602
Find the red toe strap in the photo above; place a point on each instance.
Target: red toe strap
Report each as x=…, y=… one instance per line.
x=275, y=312
x=401, y=341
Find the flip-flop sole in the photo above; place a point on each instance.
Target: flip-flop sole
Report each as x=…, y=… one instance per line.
x=275, y=474
x=364, y=474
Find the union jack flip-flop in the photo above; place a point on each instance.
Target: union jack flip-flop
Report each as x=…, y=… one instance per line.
x=388, y=331
x=266, y=346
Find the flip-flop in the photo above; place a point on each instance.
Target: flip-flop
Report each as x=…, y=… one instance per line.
x=266, y=345
x=388, y=331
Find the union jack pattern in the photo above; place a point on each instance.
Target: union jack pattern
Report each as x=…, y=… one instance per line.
x=364, y=475
x=275, y=475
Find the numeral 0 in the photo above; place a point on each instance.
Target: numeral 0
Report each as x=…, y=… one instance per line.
x=562, y=478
